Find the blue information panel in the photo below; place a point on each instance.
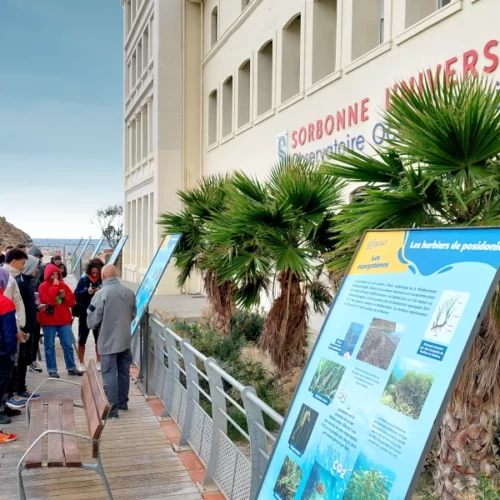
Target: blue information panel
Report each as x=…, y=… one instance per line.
x=77, y=262
x=390, y=350
x=118, y=249
x=96, y=250
x=153, y=276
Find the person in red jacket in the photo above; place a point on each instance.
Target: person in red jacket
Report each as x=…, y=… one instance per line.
x=55, y=319
x=8, y=348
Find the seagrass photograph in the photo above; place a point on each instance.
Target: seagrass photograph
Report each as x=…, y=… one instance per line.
x=408, y=387
x=327, y=379
x=380, y=343
x=302, y=429
x=288, y=480
x=369, y=481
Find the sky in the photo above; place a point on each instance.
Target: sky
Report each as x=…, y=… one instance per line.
x=61, y=107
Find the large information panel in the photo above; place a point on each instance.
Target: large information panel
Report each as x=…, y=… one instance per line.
x=77, y=262
x=118, y=249
x=382, y=369
x=153, y=276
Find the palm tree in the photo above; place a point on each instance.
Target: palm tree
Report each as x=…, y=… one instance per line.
x=279, y=229
x=441, y=168
x=195, y=252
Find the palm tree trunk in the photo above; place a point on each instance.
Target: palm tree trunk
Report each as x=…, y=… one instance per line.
x=220, y=298
x=285, y=328
x=467, y=432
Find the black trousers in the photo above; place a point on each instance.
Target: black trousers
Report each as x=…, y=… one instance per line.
x=6, y=365
x=17, y=382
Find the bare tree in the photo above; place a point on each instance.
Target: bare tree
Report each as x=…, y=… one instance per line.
x=109, y=220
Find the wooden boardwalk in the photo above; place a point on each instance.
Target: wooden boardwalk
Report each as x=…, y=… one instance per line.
x=137, y=457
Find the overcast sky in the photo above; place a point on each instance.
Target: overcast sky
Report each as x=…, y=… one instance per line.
x=60, y=113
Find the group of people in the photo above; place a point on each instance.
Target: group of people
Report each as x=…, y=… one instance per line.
x=33, y=298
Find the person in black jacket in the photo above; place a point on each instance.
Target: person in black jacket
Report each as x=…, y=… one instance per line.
x=88, y=285
x=57, y=261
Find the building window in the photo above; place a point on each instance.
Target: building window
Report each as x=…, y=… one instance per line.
x=244, y=4
x=134, y=70
x=133, y=129
x=145, y=45
x=416, y=11
x=227, y=107
x=324, y=38
x=215, y=25
x=265, y=78
x=127, y=80
x=139, y=61
x=290, y=72
x=244, y=78
x=367, y=26
x=145, y=131
x=212, y=118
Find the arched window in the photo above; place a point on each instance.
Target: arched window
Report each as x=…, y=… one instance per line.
x=367, y=26
x=244, y=85
x=227, y=107
x=290, y=72
x=215, y=25
x=324, y=38
x=212, y=117
x=265, y=78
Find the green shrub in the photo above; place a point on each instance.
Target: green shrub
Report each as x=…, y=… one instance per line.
x=210, y=342
x=248, y=325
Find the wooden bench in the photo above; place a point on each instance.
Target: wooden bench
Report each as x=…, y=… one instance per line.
x=62, y=449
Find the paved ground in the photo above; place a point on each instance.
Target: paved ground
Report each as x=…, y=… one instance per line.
x=137, y=456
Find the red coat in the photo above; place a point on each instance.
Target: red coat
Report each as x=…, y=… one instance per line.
x=48, y=295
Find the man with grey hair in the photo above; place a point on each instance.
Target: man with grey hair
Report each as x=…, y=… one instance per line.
x=112, y=311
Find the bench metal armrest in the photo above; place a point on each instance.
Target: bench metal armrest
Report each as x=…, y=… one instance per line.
x=53, y=431
x=36, y=390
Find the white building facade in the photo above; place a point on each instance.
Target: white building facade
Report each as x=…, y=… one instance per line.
x=236, y=84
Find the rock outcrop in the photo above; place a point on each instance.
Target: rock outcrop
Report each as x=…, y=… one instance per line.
x=11, y=235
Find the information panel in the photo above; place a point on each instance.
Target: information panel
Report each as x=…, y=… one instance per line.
x=153, y=276
x=118, y=249
x=382, y=369
x=96, y=250
x=77, y=262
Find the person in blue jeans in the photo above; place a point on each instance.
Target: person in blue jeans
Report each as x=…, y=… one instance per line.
x=57, y=299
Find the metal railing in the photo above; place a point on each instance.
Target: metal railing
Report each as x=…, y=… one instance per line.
x=231, y=430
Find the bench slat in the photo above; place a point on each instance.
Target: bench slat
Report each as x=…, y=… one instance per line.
x=55, y=453
x=34, y=457
x=71, y=452
x=93, y=420
x=101, y=401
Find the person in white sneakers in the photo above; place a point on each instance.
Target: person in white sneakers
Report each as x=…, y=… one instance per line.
x=90, y=283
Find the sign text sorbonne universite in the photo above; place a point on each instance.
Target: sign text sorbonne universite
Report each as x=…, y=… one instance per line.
x=382, y=370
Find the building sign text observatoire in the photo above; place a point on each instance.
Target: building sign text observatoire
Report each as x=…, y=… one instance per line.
x=470, y=63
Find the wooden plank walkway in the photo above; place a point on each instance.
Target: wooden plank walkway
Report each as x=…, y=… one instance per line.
x=137, y=456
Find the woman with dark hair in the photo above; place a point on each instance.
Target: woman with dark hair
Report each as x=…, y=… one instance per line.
x=88, y=285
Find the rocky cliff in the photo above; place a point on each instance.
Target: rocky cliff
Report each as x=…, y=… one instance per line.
x=11, y=235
